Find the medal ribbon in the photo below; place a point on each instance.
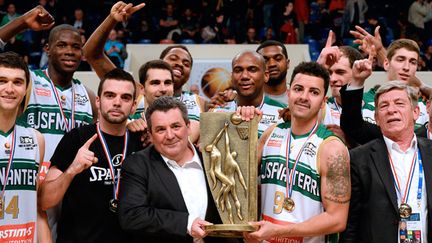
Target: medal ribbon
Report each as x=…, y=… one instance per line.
x=410, y=177
x=9, y=166
x=59, y=103
x=420, y=183
x=290, y=175
x=109, y=158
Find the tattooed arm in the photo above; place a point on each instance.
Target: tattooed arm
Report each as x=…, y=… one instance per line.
x=335, y=196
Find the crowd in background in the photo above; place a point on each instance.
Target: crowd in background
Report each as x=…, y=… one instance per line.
x=231, y=22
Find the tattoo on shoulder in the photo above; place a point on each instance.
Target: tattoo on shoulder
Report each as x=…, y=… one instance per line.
x=338, y=179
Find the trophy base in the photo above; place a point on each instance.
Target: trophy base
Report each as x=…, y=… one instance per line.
x=229, y=230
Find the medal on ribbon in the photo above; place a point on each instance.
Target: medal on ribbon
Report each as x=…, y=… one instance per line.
x=288, y=202
x=113, y=203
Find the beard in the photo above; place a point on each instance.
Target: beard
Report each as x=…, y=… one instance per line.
x=277, y=80
x=114, y=120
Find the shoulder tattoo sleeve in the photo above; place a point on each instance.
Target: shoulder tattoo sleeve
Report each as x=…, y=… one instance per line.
x=338, y=179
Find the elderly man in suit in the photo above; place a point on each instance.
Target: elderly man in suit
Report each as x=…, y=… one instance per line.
x=164, y=194
x=392, y=175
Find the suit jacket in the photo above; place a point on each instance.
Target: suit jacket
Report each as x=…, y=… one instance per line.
x=151, y=203
x=373, y=215
x=352, y=123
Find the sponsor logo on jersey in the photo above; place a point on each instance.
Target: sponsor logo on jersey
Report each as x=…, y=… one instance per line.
x=266, y=119
x=99, y=174
x=43, y=92
x=274, y=143
x=21, y=177
x=18, y=232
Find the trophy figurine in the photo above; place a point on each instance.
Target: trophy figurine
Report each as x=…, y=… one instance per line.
x=231, y=168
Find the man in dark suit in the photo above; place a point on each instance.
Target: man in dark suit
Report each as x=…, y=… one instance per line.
x=385, y=170
x=164, y=194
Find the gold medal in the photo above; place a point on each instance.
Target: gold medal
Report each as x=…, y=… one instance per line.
x=1, y=204
x=113, y=204
x=405, y=211
x=289, y=204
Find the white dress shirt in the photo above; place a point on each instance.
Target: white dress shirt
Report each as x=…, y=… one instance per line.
x=191, y=180
x=402, y=163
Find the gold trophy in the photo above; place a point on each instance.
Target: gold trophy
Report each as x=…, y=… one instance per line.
x=229, y=151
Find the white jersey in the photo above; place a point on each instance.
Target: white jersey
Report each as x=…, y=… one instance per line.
x=306, y=191
x=44, y=114
x=192, y=102
x=268, y=106
x=332, y=111
x=19, y=213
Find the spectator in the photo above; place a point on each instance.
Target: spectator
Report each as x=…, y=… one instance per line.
x=301, y=9
x=19, y=47
x=355, y=11
x=235, y=13
x=189, y=25
x=168, y=22
x=115, y=50
x=251, y=36
x=427, y=56
x=289, y=24
x=79, y=22
x=11, y=15
x=416, y=18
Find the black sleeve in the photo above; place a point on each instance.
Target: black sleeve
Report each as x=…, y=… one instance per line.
x=351, y=122
x=352, y=231
x=66, y=150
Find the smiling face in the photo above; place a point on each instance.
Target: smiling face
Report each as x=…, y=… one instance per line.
x=340, y=74
x=158, y=83
x=402, y=65
x=116, y=101
x=248, y=75
x=395, y=114
x=65, y=51
x=12, y=88
x=181, y=64
x=306, y=97
x=169, y=133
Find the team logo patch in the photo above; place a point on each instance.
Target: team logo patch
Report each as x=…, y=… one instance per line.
x=310, y=149
x=81, y=99
x=43, y=92
x=26, y=142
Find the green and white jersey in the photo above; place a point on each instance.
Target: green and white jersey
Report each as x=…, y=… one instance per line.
x=268, y=106
x=140, y=108
x=44, y=114
x=368, y=108
x=332, y=111
x=306, y=191
x=19, y=213
x=192, y=103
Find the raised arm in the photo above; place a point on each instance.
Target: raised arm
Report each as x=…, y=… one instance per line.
x=36, y=19
x=94, y=47
x=352, y=123
x=366, y=41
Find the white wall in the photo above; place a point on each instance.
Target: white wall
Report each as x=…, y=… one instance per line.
x=139, y=54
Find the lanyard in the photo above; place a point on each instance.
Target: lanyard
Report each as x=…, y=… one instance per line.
x=109, y=158
x=396, y=182
x=59, y=103
x=290, y=174
x=9, y=166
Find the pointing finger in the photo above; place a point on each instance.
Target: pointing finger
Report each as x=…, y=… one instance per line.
x=137, y=7
x=90, y=141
